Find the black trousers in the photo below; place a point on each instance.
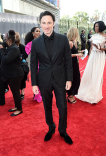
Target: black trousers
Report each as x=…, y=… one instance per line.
x=83, y=46
x=61, y=103
x=14, y=84
x=2, y=91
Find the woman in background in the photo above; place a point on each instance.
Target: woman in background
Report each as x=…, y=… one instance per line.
x=23, y=56
x=2, y=84
x=33, y=34
x=90, y=89
x=12, y=70
x=73, y=37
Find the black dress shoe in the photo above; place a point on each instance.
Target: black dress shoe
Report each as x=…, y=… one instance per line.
x=66, y=138
x=49, y=134
x=16, y=114
x=12, y=110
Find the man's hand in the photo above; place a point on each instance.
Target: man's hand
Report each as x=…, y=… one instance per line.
x=35, y=89
x=68, y=85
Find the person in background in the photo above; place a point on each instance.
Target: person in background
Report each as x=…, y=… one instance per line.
x=83, y=40
x=30, y=36
x=73, y=37
x=90, y=89
x=2, y=84
x=12, y=70
x=89, y=42
x=23, y=56
x=6, y=84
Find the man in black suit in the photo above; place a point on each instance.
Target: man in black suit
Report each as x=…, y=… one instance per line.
x=83, y=40
x=89, y=43
x=55, y=72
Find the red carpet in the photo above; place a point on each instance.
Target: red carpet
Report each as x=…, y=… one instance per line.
x=23, y=135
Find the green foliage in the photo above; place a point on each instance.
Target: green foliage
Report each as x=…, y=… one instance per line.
x=104, y=16
x=65, y=24
x=65, y=17
x=95, y=17
x=81, y=16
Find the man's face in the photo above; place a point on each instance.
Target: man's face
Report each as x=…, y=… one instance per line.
x=47, y=25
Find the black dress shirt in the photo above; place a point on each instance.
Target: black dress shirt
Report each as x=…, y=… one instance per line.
x=49, y=44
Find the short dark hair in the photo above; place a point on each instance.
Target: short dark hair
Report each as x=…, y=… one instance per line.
x=101, y=24
x=46, y=13
x=83, y=30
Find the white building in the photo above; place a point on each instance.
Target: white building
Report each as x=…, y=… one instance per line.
x=30, y=7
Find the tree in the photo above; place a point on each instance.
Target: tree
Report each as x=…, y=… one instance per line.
x=95, y=17
x=104, y=16
x=65, y=17
x=81, y=16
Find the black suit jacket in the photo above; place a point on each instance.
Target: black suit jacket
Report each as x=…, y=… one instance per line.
x=83, y=38
x=11, y=65
x=60, y=66
x=89, y=36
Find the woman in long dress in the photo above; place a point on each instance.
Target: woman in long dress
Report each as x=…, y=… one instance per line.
x=73, y=37
x=90, y=89
x=33, y=34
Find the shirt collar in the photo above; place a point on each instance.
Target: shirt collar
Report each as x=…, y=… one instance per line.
x=51, y=37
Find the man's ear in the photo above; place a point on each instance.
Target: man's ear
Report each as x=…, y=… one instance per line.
x=53, y=24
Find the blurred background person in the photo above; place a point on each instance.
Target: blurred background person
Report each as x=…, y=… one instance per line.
x=33, y=34
x=6, y=84
x=73, y=37
x=83, y=40
x=22, y=56
x=12, y=70
x=2, y=84
x=89, y=42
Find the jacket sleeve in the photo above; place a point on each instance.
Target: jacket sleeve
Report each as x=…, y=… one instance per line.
x=10, y=55
x=34, y=64
x=68, y=61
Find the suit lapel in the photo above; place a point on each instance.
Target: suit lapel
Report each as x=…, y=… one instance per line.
x=43, y=47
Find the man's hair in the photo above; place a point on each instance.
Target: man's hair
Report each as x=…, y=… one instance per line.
x=83, y=30
x=101, y=24
x=46, y=13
